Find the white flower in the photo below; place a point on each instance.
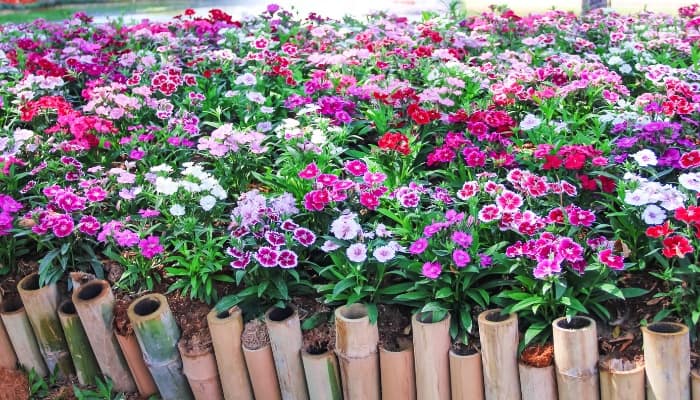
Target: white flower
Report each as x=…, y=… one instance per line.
x=645, y=158
x=615, y=60
x=166, y=185
x=22, y=135
x=329, y=246
x=177, y=210
x=357, y=252
x=654, y=215
x=207, y=202
x=671, y=198
x=530, y=122
x=625, y=69
x=384, y=253
x=690, y=181
x=345, y=227
x=382, y=231
x=637, y=197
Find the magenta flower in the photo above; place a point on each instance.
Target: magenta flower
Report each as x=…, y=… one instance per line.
x=373, y=178
x=267, y=257
x=126, y=238
x=69, y=202
x=419, y=246
x=148, y=213
x=150, y=247
x=462, y=238
x=547, y=267
x=289, y=225
x=62, y=226
x=304, y=236
x=274, y=238
x=310, y=172
x=355, y=167
x=242, y=262
x=611, y=260
x=432, y=270
x=287, y=259
x=570, y=250
x=461, y=258
x=89, y=225
x=369, y=200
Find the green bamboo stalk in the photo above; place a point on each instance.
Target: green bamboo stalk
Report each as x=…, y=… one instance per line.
x=41, y=304
x=158, y=335
x=322, y=376
x=86, y=366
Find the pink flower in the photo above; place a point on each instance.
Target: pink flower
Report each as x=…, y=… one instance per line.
x=241, y=262
x=304, y=236
x=369, y=200
x=287, y=259
x=355, y=167
x=289, y=225
x=89, y=225
x=275, y=239
x=357, y=252
x=489, y=213
x=432, y=270
x=148, y=213
x=462, y=238
x=509, y=201
x=374, y=178
x=69, y=202
x=461, y=258
x=611, y=260
x=570, y=250
x=150, y=247
x=419, y=246
x=267, y=257
x=326, y=179
x=547, y=267
x=310, y=172
x=62, y=226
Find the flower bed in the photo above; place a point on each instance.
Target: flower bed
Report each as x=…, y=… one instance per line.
x=545, y=165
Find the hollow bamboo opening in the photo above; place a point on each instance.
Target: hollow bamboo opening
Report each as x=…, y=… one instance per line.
x=280, y=314
x=147, y=306
x=31, y=282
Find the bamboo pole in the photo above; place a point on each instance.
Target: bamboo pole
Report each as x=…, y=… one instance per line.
x=261, y=369
x=576, y=358
x=134, y=359
x=158, y=335
x=20, y=332
x=695, y=384
x=431, y=346
x=322, y=376
x=667, y=359
x=537, y=383
x=226, y=329
x=284, y=329
x=94, y=303
x=8, y=358
x=499, y=353
x=41, y=304
x=466, y=376
x=200, y=369
x=398, y=374
x=86, y=367
x=621, y=379
x=356, y=341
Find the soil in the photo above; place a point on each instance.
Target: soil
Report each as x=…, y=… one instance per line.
x=394, y=323
x=191, y=315
x=255, y=335
x=8, y=286
x=319, y=339
x=539, y=355
x=122, y=324
x=13, y=385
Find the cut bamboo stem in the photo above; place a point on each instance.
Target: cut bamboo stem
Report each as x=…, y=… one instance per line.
x=8, y=358
x=398, y=374
x=201, y=372
x=356, y=341
x=431, y=346
x=621, y=379
x=284, y=329
x=86, y=367
x=134, y=359
x=261, y=368
x=576, y=358
x=466, y=376
x=21, y=335
x=695, y=384
x=226, y=328
x=322, y=376
x=667, y=359
x=499, y=352
x=537, y=383
x=94, y=303
x=158, y=334
x=41, y=304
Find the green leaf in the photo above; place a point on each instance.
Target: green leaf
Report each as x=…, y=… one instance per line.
x=343, y=285
x=633, y=292
x=574, y=304
x=532, y=332
x=613, y=290
x=443, y=293
x=372, y=313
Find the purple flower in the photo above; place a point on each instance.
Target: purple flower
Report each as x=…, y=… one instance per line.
x=150, y=247
x=267, y=257
x=272, y=8
x=419, y=246
x=462, y=238
x=126, y=238
x=432, y=270
x=289, y=225
x=461, y=258
x=242, y=262
x=274, y=238
x=485, y=260
x=149, y=213
x=357, y=252
x=287, y=259
x=304, y=236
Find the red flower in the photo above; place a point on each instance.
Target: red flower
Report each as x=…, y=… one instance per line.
x=575, y=161
x=551, y=162
x=658, y=231
x=690, y=159
x=394, y=141
x=690, y=215
x=676, y=246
